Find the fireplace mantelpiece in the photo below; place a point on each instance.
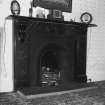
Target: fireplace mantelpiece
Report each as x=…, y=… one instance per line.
x=53, y=44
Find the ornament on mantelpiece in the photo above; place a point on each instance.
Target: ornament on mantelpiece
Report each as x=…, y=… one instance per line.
x=15, y=7
x=55, y=15
x=86, y=18
x=40, y=14
x=30, y=9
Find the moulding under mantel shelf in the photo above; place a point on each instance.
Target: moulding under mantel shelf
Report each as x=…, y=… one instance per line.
x=49, y=20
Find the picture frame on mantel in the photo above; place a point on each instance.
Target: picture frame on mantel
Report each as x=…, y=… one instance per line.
x=63, y=5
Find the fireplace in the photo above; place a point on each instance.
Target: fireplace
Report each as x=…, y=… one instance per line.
x=48, y=53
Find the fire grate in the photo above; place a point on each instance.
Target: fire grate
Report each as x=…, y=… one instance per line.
x=49, y=77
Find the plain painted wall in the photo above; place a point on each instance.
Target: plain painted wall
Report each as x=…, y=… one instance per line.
x=96, y=35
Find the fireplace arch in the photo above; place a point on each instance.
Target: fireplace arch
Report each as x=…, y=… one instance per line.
x=51, y=51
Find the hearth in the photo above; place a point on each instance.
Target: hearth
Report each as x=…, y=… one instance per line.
x=48, y=53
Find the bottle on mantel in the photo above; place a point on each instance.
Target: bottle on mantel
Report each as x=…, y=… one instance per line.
x=31, y=10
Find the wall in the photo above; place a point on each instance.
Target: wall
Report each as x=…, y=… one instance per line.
x=96, y=38
x=96, y=35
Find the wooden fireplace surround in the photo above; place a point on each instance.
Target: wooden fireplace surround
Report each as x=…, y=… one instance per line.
x=32, y=35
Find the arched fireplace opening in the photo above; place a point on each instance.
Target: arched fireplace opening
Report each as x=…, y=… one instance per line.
x=54, y=65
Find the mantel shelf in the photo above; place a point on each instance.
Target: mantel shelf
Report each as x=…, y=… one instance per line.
x=52, y=21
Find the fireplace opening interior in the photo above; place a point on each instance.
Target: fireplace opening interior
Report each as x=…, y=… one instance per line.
x=50, y=71
x=54, y=67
